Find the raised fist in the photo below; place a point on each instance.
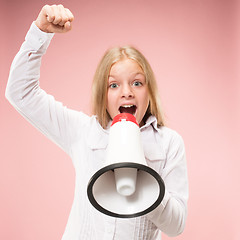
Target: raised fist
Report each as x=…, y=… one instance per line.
x=54, y=19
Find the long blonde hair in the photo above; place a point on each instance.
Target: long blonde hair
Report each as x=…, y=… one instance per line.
x=100, y=80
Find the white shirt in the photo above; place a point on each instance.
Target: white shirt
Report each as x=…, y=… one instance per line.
x=85, y=141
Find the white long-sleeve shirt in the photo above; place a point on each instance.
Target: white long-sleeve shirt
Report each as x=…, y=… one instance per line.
x=83, y=138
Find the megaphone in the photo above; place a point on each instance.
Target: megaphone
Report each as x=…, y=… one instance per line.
x=125, y=187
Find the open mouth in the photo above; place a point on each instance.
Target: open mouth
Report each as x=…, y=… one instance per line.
x=128, y=109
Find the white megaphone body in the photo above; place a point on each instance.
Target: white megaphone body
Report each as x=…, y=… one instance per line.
x=125, y=187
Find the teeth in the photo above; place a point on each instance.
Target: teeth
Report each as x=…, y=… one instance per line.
x=127, y=106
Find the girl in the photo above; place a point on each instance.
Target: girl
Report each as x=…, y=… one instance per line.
x=124, y=82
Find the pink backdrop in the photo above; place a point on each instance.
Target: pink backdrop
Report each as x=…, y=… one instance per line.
x=193, y=47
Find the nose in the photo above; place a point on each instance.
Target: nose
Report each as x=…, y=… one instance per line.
x=127, y=91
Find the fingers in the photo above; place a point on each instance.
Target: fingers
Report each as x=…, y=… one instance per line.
x=69, y=14
x=58, y=15
x=48, y=13
x=55, y=18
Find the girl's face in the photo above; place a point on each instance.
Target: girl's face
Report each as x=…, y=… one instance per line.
x=127, y=90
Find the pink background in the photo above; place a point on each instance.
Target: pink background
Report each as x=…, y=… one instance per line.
x=193, y=47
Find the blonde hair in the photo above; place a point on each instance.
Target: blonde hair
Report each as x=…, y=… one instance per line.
x=100, y=84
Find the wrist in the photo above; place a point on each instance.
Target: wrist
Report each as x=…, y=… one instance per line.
x=40, y=27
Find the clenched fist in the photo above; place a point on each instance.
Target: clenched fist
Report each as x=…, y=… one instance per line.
x=54, y=19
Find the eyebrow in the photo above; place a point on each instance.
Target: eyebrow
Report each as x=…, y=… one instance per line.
x=134, y=74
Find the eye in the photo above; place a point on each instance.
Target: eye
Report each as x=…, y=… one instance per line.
x=137, y=83
x=113, y=85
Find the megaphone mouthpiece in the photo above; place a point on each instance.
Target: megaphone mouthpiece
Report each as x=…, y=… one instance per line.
x=125, y=180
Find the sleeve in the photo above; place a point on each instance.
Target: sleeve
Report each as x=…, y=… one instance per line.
x=23, y=91
x=170, y=215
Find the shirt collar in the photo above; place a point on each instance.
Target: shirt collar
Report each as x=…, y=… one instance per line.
x=98, y=136
x=152, y=120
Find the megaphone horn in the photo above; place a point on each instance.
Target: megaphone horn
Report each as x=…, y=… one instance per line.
x=125, y=187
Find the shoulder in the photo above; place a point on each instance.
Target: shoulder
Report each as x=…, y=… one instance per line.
x=82, y=120
x=163, y=134
x=90, y=124
x=170, y=137
x=83, y=126
x=169, y=132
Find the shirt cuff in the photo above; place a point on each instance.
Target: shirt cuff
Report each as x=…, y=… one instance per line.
x=37, y=38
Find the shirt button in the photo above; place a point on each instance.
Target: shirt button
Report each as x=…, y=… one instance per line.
x=41, y=40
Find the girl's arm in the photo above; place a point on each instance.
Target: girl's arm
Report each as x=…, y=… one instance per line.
x=170, y=215
x=24, y=93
